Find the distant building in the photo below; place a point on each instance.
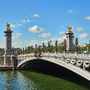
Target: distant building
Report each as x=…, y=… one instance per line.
x=15, y=50
x=61, y=44
x=1, y=51
x=42, y=46
x=84, y=44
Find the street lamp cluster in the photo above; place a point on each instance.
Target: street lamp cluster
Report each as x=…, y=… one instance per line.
x=30, y=49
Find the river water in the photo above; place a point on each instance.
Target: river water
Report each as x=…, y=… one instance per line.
x=38, y=80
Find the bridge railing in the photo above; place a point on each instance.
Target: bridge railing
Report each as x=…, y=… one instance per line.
x=58, y=54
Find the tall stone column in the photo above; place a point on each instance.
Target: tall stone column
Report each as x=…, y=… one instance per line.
x=69, y=38
x=8, y=40
x=8, y=43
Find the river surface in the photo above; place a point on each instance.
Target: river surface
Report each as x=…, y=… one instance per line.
x=37, y=80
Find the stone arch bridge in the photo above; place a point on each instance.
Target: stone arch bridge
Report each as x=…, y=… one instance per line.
x=75, y=63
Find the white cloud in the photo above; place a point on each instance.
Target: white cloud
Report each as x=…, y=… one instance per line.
x=33, y=42
x=45, y=42
x=19, y=43
x=23, y=21
x=36, y=15
x=80, y=29
x=16, y=45
x=19, y=25
x=44, y=35
x=36, y=29
x=62, y=26
x=87, y=18
x=16, y=36
x=83, y=36
x=61, y=32
x=29, y=20
x=53, y=40
x=70, y=11
x=58, y=39
x=11, y=25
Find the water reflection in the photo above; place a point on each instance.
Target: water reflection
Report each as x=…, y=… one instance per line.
x=14, y=80
x=50, y=79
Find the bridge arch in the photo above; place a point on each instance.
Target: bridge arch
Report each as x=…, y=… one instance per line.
x=68, y=66
x=32, y=61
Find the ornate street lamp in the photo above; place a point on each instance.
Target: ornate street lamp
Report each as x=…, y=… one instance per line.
x=76, y=42
x=43, y=46
x=23, y=50
x=49, y=46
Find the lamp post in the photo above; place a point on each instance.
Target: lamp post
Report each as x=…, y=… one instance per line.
x=56, y=45
x=43, y=46
x=48, y=46
x=76, y=42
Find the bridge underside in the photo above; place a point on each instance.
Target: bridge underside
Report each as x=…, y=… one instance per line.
x=38, y=64
x=53, y=69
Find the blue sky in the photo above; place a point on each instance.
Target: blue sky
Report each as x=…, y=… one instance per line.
x=37, y=21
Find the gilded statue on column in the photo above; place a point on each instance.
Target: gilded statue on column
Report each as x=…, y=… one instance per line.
x=69, y=29
x=8, y=27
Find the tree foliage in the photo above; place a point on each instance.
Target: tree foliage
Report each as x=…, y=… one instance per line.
x=53, y=49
